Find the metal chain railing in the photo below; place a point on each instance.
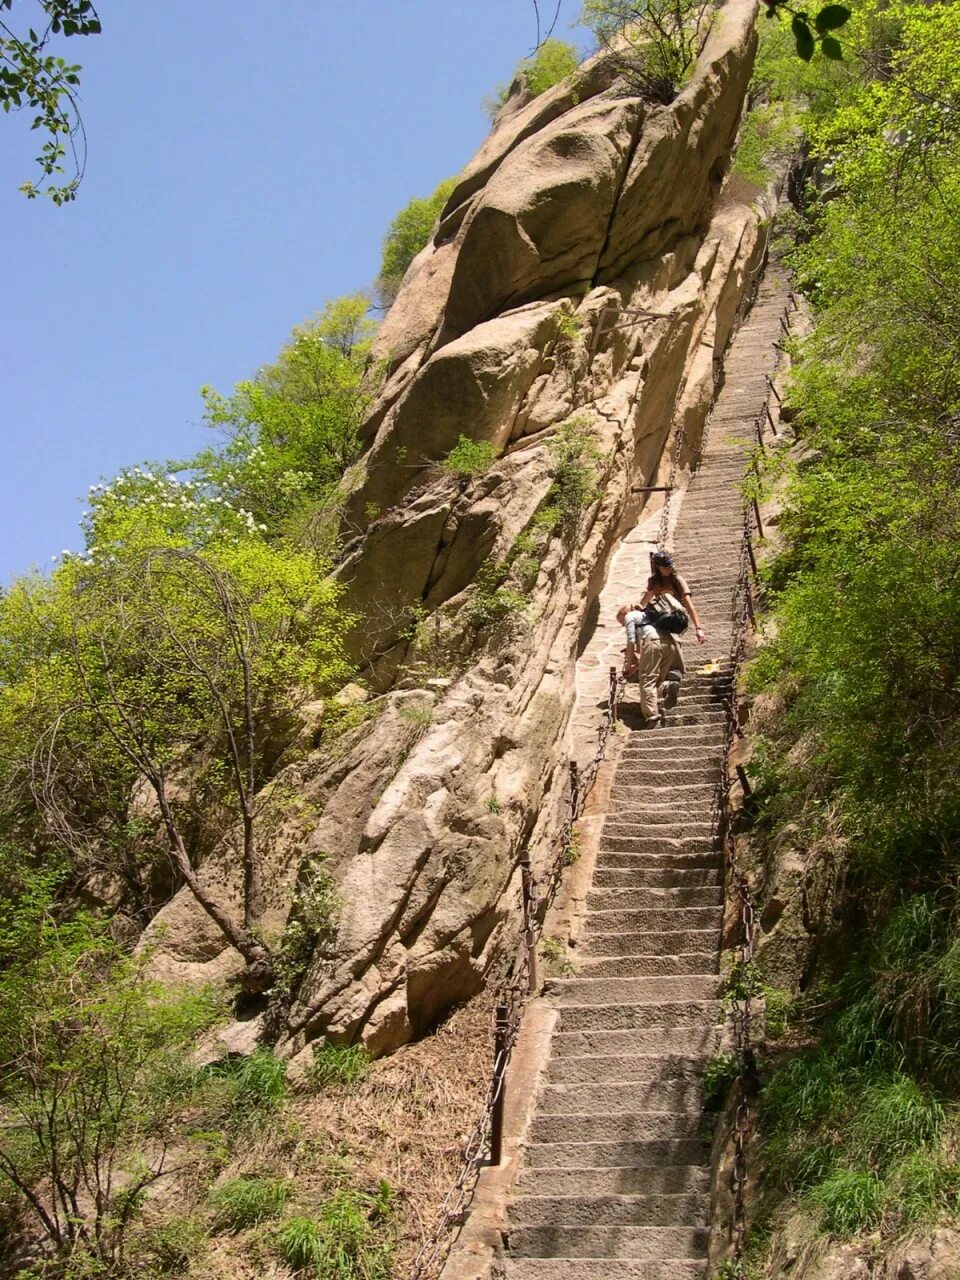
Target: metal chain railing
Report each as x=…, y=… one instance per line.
x=737, y=883
x=741, y=1009
x=520, y=983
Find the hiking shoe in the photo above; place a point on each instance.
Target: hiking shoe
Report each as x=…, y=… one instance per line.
x=671, y=689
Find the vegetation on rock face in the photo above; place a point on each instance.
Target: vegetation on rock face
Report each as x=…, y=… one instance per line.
x=553, y=61
x=656, y=42
x=148, y=688
x=407, y=234
x=858, y=765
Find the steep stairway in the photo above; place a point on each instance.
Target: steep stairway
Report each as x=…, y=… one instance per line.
x=614, y=1176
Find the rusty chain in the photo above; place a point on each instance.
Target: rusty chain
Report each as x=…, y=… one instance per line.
x=741, y=1004
x=513, y=995
x=741, y=1009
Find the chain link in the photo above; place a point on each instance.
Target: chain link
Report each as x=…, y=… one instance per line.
x=513, y=995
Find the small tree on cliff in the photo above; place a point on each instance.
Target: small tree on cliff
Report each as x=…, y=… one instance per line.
x=407, y=234
x=148, y=661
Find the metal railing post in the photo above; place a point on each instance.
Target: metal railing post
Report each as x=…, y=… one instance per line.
x=500, y=1068
x=526, y=876
x=756, y=512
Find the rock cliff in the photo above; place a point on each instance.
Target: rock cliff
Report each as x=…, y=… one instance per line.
x=587, y=269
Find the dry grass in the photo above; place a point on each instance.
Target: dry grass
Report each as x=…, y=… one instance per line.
x=406, y=1122
x=409, y=1120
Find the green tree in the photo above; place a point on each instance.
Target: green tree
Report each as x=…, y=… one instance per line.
x=552, y=62
x=407, y=234
x=31, y=77
x=91, y=1075
x=148, y=658
x=293, y=430
x=657, y=42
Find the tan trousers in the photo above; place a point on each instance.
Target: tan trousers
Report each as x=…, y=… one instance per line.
x=649, y=660
x=671, y=655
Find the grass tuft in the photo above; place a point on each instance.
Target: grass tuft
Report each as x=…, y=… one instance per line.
x=243, y=1202
x=340, y=1065
x=849, y=1201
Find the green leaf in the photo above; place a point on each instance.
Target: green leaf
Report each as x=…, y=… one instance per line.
x=804, y=39
x=831, y=18
x=831, y=48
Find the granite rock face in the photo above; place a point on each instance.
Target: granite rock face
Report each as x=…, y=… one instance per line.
x=583, y=208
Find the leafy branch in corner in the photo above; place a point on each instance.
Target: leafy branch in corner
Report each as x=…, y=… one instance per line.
x=809, y=33
x=31, y=76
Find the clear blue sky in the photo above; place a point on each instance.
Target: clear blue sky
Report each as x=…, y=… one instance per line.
x=245, y=160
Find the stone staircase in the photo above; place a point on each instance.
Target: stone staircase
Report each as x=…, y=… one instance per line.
x=614, y=1176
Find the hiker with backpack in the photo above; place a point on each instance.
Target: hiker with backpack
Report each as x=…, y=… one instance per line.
x=643, y=657
x=667, y=601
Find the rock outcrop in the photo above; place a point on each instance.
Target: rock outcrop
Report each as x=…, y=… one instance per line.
x=588, y=267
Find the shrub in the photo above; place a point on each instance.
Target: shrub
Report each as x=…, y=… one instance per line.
x=558, y=962
x=575, y=453
x=407, y=234
x=312, y=924
x=553, y=61
x=656, y=41
x=171, y=1246
x=260, y=1080
x=299, y=1243
x=338, y=1064
x=569, y=327
x=717, y=1079
x=243, y=1202
x=894, y=1117
x=849, y=1201
x=345, y=1241
x=469, y=458
x=491, y=602
x=923, y=1187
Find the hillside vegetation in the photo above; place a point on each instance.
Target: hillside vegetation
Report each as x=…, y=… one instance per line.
x=858, y=687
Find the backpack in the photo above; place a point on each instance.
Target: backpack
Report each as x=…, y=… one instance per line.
x=666, y=615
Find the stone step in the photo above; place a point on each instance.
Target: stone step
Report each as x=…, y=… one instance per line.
x=628, y=1017
x=603, y=1269
x=627, y=991
x=699, y=736
x=670, y=919
x=681, y=717
x=606, y=877
x=657, y=843
x=660, y=796
x=608, y=1242
x=644, y=966
x=671, y=859
x=664, y=1181
x=634, y=799
x=695, y=774
x=633, y=1155
x=610, y=1210
x=659, y=793
x=620, y=1101
x=594, y=1068
x=653, y=897
x=607, y=1126
x=647, y=823
x=662, y=1041
x=669, y=942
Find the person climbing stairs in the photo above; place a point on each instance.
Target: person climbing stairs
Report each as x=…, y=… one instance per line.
x=614, y=1178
